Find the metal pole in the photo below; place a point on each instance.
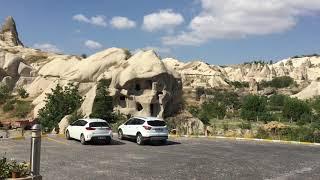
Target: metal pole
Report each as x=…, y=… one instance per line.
x=35, y=151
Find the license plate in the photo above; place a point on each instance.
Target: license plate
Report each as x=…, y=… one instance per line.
x=158, y=130
x=101, y=137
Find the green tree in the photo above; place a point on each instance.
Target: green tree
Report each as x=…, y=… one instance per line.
x=213, y=109
x=253, y=107
x=276, y=102
x=294, y=109
x=76, y=115
x=103, y=103
x=59, y=103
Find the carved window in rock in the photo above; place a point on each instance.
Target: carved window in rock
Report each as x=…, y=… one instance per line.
x=137, y=87
x=139, y=107
x=122, y=101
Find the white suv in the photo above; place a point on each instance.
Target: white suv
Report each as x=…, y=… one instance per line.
x=143, y=129
x=89, y=130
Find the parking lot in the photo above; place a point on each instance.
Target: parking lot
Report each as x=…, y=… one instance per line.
x=182, y=158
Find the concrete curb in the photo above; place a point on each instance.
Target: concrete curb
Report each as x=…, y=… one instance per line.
x=248, y=139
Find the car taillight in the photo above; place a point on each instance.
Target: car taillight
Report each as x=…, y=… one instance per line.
x=90, y=128
x=147, y=127
x=108, y=129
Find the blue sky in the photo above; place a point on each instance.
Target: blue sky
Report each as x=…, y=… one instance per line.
x=215, y=31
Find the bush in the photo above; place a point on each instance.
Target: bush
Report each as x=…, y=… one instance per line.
x=213, y=109
x=262, y=133
x=245, y=125
x=22, y=93
x=238, y=84
x=276, y=101
x=225, y=126
x=194, y=110
x=59, y=103
x=278, y=82
x=296, y=109
x=253, y=106
x=8, y=167
x=8, y=106
x=23, y=108
x=4, y=93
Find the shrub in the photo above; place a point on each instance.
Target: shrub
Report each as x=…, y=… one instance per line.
x=22, y=93
x=278, y=82
x=225, y=126
x=23, y=108
x=204, y=119
x=245, y=125
x=194, y=110
x=199, y=92
x=294, y=109
x=230, y=99
x=4, y=93
x=262, y=133
x=276, y=101
x=213, y=109
x=8, y=167
x=59, y=103
x=8, y=106
x=239, y=84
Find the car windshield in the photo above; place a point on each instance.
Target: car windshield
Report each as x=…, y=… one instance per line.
x=157, y=123
x=99, y=124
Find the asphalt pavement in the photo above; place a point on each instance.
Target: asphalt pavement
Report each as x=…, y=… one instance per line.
x=182, y=158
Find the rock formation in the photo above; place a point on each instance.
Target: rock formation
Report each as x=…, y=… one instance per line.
x=141, y=84
x=9, y=34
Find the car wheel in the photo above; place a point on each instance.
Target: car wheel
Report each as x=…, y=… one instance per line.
x=68, y=135
x=120, y=134
x=139, y=139
x=83, y=140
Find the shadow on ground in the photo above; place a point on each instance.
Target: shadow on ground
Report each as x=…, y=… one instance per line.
x=102, y=143
x=155, y=143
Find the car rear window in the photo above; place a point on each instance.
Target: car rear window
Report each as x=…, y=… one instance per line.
x=98, y=124
x=157, y=123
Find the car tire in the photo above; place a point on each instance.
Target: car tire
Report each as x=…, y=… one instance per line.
x=139, y=139
x=82, y=140
x=120, y=134
x=68, y=135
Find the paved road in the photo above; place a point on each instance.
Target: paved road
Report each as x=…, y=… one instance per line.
x=182, y=159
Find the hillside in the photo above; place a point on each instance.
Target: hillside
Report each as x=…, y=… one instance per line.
x=142, y=83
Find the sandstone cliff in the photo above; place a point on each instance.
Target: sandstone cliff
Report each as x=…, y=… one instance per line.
x=142, y=83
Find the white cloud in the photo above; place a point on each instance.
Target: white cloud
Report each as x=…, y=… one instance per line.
x=241, y=18
x=47, y=47
x=122, y=22
x=92, y=44
x=164, y=19
x=98, y=20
